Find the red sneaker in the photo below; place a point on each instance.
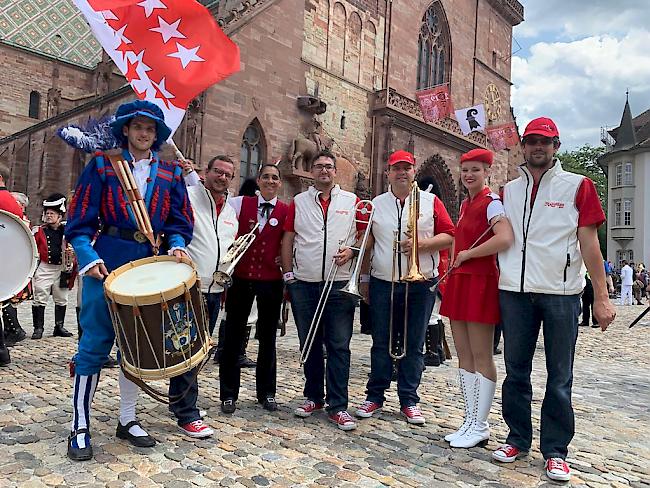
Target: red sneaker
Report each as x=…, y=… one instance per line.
x=368, y=409
x=413, y=415
x=557, y=469
x=197, y=429
x=506, y=454
x=307, y=408
x=343, y=420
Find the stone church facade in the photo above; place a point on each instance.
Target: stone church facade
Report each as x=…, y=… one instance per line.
x=314, y=73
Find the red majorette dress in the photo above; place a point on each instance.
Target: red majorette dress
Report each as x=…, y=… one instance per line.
x=472, y=293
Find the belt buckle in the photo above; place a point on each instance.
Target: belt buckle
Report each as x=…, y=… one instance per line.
x=139, y=237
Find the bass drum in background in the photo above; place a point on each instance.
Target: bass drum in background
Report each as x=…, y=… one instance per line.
x=18, y=255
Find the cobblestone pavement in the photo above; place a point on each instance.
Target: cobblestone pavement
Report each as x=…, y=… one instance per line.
x=257, y=448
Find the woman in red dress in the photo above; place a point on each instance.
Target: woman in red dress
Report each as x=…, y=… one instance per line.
x=471, y=300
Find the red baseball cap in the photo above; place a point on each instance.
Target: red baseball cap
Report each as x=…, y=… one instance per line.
x=480, y=155
x=542, y=126
x=401, y=157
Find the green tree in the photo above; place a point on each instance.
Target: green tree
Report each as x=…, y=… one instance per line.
x=584, y=161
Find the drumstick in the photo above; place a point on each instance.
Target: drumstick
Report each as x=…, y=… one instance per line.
x=451, y=268
x=137, y=203
x=126, y=182
x=140, y=203
x=638, y=319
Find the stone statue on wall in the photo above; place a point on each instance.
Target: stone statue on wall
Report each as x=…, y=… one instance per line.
x=53, y=101
x=308, y=144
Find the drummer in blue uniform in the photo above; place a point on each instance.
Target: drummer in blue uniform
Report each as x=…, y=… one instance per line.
x=99, y=208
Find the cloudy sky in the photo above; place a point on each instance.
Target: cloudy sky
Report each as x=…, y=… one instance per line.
x=575, y=62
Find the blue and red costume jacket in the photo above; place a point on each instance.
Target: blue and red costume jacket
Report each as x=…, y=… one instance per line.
x=100, y=201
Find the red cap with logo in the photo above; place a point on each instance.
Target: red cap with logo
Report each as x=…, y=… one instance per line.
x=542, y=126
x=480, y=155
x=401, y=157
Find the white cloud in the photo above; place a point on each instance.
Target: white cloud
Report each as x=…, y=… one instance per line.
x=581, y=83
x=576, y=19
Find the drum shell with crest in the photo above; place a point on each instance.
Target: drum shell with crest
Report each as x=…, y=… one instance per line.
x=159, y=317
x=17, y=239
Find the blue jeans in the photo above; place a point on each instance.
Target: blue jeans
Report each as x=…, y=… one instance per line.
x=522, y=315
x=185, y=409
x=335, y=331
x=213, y=302
x=420, y=306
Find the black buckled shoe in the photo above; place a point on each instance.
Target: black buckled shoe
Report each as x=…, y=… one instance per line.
x=122, y=432
x=76, y=453
x=228, y=406
x=269, y=404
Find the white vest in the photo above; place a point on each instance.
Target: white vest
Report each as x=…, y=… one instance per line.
x=212, y=237
x=545, y=257
x=318, y=239
x=389, y=217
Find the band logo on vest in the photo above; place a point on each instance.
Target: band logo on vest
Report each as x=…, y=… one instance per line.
x=554, y=204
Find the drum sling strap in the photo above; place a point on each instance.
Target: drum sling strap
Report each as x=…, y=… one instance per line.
x=163, y=397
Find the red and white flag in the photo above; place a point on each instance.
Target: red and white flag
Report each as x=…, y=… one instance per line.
x=435, y=103
x=168, y=50
x=502, y=136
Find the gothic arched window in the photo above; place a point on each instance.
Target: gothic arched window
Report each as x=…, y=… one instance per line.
x=434, y=48
x=34, y=104
x=252, y=151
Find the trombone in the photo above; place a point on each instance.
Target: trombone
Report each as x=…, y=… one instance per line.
x=352, y=287
x=397, y=348
x=239, y=247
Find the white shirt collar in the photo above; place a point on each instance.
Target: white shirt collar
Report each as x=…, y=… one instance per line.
x=260, y=200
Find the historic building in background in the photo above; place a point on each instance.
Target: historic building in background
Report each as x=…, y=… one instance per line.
x=627, y=165
x=315, y=73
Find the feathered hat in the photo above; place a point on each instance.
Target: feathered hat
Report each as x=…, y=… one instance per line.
x=140, y=108
x=56, y=202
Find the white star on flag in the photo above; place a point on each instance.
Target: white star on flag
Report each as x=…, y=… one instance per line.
x=150, y=5
x=167, y=31
x=120, y=35
x=109, y=15
x=138, y=57
x=186, y=56
x=162, y=90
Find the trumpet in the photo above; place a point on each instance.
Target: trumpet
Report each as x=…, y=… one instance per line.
x=352, y=287
x=68, y=258
x=223, y=277
x=397, y=347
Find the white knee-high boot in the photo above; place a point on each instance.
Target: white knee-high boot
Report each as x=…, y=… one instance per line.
x=467, y=383
x=82, y=398
x=128, y=400
x=479, y=430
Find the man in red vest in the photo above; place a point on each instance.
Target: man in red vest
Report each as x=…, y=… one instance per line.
x=258, y=276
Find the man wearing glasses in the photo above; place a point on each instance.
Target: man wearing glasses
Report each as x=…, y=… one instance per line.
x=555, y=215
x=215, y=227
x=318, y=230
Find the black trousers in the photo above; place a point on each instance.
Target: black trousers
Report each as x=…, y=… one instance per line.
x=239, y=301
x=588, y=304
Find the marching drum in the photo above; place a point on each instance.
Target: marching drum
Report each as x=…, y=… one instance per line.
x=20, y=255
x=159, y=318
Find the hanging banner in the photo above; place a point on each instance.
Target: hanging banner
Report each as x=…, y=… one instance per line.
x=503, y=136
x=471, y=119
x=435, y=103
